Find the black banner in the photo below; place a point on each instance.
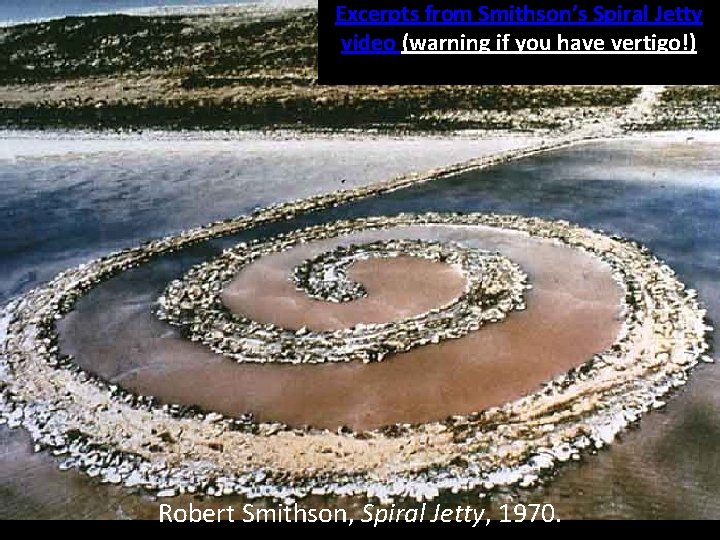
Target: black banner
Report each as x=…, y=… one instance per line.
x=532, y=42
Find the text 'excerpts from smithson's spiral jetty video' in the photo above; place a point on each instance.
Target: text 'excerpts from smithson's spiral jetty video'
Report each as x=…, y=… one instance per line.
x=504, y=42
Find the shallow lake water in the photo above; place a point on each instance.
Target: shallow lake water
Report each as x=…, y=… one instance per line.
x=572, y=313
x=663, y=193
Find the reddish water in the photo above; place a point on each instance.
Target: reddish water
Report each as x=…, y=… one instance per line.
x=572, y=314
x=664, y=193
x=397, y=288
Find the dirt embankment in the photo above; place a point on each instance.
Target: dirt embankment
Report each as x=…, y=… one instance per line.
x=242, y=69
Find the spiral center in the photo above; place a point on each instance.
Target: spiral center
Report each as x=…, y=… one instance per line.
x=396, y=288
x=495, y=286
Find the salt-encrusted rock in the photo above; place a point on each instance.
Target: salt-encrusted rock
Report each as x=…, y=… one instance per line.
x=56, y=401
x=494, y=286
